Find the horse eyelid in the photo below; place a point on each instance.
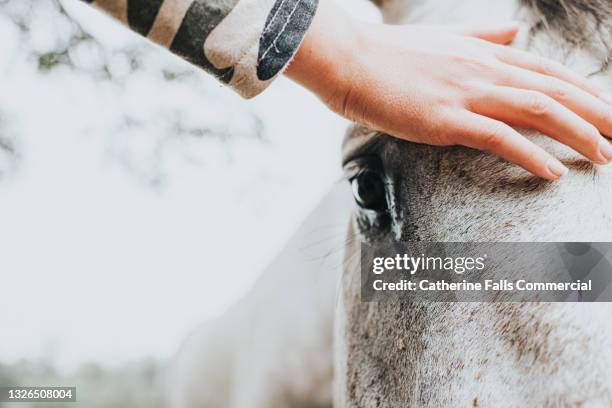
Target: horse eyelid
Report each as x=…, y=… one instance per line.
x=351, y=171
x=362, y=162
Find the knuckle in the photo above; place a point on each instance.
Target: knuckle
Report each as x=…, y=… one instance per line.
x=593, y=137
x=604, y=115
x=441, y=139
x=547, y=67
x=445, y=136
x=475, y=93
x=558, y=91
x=537, y=105
x=494, y=138
x=475, y=64
x=503, y=74
x=505, y=78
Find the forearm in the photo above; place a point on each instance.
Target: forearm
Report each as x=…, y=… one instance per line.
x=244, y=43
x=324, y=63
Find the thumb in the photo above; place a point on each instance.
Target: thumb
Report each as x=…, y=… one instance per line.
x=500, y=33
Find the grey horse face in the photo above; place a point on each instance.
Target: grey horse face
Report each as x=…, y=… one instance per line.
x=474, y=354
x=381, y=185
x=407, y=191
x=459, y=194
x=468, y=354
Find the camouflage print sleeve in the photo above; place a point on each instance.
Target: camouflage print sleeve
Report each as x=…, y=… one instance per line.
x=244, y=43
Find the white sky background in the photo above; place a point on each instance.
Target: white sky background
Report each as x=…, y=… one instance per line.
x=99, y=263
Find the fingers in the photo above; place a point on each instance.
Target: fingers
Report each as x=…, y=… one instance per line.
x=499, y=34
x=547, y=67
x=583, y=103
x=502, y=34
x=537, y=111
x=496, y=137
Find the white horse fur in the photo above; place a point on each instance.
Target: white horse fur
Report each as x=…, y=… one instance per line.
x=274, y=349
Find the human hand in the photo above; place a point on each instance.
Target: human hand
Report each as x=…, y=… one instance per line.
x=444, y=85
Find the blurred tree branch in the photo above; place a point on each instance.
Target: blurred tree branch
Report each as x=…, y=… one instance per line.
x=142, y=133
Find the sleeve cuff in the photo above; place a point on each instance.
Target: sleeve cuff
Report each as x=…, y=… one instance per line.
x=256, y=41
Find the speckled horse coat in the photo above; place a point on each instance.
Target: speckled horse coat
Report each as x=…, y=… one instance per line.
x=474, y=354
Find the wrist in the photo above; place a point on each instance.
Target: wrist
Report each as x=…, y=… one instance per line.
x=322, y=62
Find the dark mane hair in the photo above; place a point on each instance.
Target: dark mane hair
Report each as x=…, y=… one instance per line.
x=582, y=23
x=576, y=20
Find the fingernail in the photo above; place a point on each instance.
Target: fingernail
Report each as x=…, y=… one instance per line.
x=605, y=149
x=606, y=97
x=556, y=168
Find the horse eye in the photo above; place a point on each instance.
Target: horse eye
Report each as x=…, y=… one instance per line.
x=369, y=191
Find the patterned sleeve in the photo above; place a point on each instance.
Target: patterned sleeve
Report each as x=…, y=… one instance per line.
x=244, y=43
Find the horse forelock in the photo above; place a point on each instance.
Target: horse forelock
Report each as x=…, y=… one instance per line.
x=581, y=24
x=576, y=20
